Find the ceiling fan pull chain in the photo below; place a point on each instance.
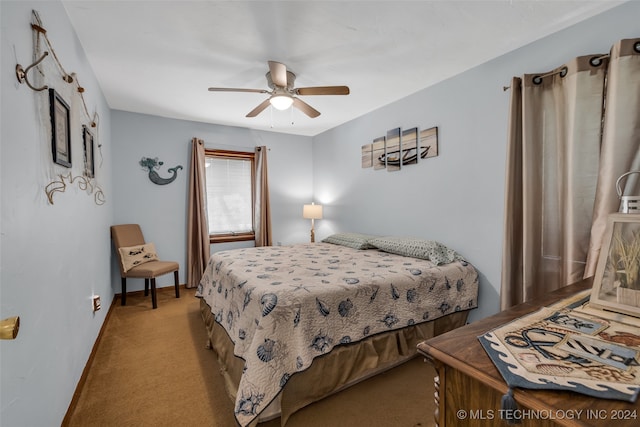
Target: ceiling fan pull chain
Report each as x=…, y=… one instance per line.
x=271, y=115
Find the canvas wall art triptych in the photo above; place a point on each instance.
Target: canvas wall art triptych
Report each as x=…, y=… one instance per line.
x=400, y=148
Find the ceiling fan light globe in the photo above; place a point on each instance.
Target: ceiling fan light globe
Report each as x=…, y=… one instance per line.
x=281, y=102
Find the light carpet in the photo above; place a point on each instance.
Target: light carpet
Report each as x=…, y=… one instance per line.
x=152, y=368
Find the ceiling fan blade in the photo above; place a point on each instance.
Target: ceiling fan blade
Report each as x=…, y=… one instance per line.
x=323, y=90
x=278, y=73
x=231, y=89
x=259, y=109
x=305, y=108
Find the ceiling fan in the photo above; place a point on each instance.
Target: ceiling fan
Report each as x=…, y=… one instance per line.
x=284, y=94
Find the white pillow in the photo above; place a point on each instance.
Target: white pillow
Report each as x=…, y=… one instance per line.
x=132, y=256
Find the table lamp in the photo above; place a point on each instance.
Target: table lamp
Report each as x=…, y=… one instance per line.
x=312, y=212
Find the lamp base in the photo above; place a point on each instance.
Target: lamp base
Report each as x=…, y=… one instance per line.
x=313, y=236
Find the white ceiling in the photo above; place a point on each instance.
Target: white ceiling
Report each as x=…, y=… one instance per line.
x=159, y=57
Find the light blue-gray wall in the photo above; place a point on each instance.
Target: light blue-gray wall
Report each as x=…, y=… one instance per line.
x=456, y=198
x=53, y=258
x=161, y=209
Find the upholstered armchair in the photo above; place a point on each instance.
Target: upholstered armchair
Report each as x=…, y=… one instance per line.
x=139, y=259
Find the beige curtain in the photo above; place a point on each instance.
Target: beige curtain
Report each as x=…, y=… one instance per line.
x=554, y=166
x=198, y=249
x=262, y=214
x=620, y=140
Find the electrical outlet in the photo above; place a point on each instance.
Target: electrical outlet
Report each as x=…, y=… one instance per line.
x=96, y=302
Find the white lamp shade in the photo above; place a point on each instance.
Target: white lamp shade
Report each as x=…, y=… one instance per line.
x=312, y=212
x=281, y=102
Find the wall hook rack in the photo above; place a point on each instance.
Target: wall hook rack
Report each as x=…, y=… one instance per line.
x=21, y=73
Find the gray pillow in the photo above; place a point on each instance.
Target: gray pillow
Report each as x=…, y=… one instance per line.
x=351, y=240
x=417, y=248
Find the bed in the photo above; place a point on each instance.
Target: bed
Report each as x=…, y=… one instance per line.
x=329, y=314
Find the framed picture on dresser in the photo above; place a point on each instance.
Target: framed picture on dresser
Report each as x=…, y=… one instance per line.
x=616, y=285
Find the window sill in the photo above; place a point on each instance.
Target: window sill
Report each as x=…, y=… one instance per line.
x=231, y=237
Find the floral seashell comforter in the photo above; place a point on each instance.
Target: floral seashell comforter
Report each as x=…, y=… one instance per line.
x=283, y=306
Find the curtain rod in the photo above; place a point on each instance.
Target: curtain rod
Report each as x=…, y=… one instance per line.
x=595, y=61
x=215, y=146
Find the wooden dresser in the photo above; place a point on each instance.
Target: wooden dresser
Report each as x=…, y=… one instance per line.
x=469, y=388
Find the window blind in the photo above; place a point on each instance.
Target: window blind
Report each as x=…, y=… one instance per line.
x=229, y=195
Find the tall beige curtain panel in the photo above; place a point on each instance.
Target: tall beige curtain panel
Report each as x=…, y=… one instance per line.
x=198, y=248
x=262, y=214
x=562, y=124
x=620, y=151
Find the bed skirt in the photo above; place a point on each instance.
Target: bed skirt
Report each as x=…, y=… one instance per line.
x=344, y=366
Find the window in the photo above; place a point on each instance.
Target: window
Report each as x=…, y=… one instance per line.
x=229, y=180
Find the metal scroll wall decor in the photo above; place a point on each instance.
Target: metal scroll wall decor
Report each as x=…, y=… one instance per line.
x=151, y=165
x=84, y=183
x=400, y=148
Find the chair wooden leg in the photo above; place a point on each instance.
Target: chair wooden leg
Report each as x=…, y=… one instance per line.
x=176, y=280
x=123, y=297
x=154, y=301
x=146, y=287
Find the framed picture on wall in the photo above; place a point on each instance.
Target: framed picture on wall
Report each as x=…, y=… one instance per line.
x=410, y=146
x=87, y=142
x=428, y=144
x=367, y=156
x=60, y=129
x=393, y=150
x=378, y=149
